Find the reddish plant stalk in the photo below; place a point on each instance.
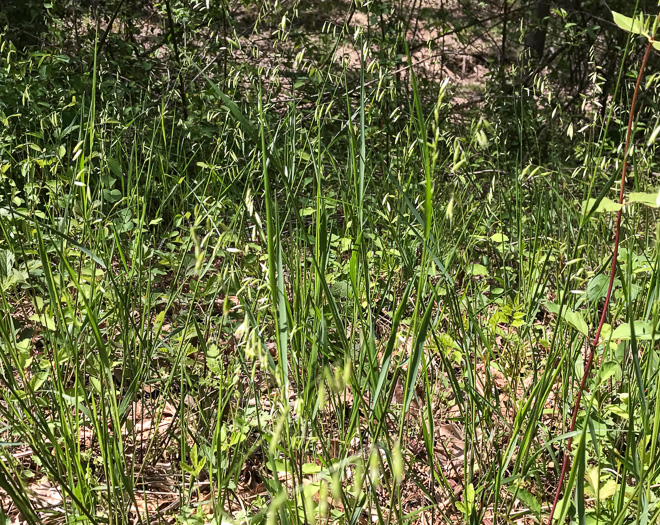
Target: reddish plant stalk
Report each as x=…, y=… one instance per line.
x=631, y=119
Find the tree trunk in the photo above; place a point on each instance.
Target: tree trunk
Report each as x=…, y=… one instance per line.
x=536, y=31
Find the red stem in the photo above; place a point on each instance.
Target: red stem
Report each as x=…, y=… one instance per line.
x=590, y=360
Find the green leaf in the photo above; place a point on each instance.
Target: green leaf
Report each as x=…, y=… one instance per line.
x=477, y=269
x=193, y=455
x=648, y=199
x=609, y=369
x=7, y=260
x=597, y=287
x=187, y=468
x=123, y=222
x=45, y=320
x=499, y=238
x=527, y=498
x=38, y=379
x=341, y=289
x=115, y=167
x=112, y=196
x=607, y=490
x=628, y=24
x=311, y=468
x=591, y=475
x=310, y=489
x=469, y=499
x=391, y=343
x=643, y=331
x=619, y=410
x=604, y=205
x=551, y=307
x=575, y=319
x=280, y=467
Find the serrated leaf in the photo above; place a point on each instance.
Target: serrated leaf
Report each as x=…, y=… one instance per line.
x=607, y=490
x=605, y=205
x=628, y=24
x=14, y=277
x=187, y=468
x=591, y=474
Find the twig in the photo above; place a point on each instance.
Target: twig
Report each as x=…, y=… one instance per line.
x=104, y=36
x=587, y=369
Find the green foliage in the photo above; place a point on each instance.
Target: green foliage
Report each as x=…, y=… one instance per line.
x=333, y=290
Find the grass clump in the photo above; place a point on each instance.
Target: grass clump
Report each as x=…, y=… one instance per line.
x=323, y=298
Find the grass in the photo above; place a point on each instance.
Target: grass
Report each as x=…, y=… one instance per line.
x=343, y=313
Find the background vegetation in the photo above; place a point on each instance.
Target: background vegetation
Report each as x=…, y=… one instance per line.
x=327, y=261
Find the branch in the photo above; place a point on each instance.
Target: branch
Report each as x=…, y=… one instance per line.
x=108, y=27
